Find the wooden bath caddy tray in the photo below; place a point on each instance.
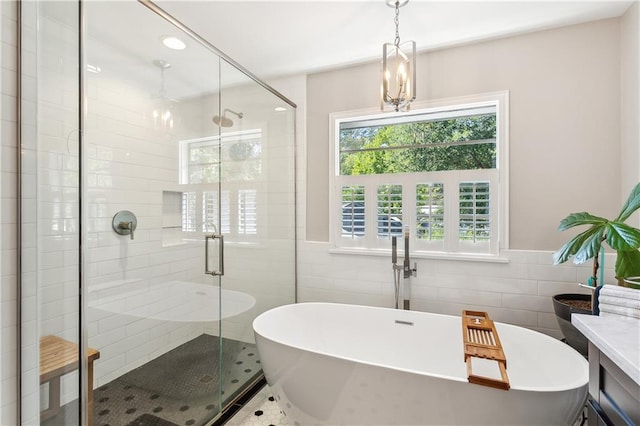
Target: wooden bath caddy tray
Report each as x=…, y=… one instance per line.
x=481, y=341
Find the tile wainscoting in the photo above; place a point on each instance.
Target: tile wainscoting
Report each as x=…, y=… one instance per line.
x=518, y=292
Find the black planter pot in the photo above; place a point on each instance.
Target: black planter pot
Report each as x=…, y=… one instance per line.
x=574, y=338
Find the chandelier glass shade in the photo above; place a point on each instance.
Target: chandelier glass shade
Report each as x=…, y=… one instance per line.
x=398, y=88
x=162, y=115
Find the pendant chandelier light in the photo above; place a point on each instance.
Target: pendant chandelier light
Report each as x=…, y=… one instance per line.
x=398, y=68
x=163, y=115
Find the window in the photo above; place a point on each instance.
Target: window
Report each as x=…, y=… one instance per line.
x=438, y=171
x=236, y=160
x=240, y=152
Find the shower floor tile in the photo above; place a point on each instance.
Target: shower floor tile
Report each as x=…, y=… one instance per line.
x=179, y=387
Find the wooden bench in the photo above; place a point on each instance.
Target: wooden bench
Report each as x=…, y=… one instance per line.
x=58, y=357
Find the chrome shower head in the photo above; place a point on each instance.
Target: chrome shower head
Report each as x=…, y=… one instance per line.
x=225, y=121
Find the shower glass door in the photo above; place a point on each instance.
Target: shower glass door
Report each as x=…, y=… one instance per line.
x=256, y=216
x=190, y=217
x=152, y=182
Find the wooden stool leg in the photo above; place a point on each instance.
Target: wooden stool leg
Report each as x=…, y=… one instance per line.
x=54, y=399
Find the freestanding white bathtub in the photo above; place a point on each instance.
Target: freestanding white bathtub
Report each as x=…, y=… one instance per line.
x=335, y=364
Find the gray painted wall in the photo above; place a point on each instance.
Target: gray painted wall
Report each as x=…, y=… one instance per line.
x=565, y=127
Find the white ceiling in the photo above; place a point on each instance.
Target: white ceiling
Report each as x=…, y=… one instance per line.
x=276, y=38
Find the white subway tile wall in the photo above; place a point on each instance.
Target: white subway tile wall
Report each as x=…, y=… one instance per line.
x=518, y=292
x=128, y=177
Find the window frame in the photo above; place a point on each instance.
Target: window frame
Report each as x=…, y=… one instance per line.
x=498, y=178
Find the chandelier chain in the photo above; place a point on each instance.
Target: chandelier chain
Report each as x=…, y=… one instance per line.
x=396, y=20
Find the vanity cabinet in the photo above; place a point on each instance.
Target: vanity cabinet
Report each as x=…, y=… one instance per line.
x=614, y=398
x=614, y=369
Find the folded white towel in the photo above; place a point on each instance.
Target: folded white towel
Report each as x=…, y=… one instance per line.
x=616, y=300
x=619, y=301
x=610, y=310
x=617, y=291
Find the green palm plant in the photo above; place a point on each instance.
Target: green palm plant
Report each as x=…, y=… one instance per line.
x=622, y=238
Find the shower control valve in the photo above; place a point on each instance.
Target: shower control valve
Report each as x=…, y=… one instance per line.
x=124, y=223
x=127, y=226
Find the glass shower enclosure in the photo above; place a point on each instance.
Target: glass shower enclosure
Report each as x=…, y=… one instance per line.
x=158, y=217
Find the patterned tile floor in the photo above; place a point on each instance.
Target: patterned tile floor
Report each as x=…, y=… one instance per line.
x=263, y=410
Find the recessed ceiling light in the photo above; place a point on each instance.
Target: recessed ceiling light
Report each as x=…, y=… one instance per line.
x=173, y=42
x=280, y=109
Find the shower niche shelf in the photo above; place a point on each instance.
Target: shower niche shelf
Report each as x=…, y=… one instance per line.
x=172, y=218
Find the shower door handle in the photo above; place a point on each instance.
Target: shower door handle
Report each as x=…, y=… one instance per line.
x=220, y=256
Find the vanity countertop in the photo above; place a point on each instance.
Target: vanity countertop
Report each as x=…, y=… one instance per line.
x=617, y=337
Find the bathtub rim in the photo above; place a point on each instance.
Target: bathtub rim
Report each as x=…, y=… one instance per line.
x=576, y=384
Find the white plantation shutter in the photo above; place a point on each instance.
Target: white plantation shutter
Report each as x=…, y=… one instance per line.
x=247, y=212
x=189, y=216
x=225, y=215
x=353, y=211
x=210, y=211
x=430, y=211
x=474, y=217
x=389, y=209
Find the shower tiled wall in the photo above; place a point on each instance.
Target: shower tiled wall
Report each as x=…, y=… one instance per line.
x=133, y=167
x=129, y=165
